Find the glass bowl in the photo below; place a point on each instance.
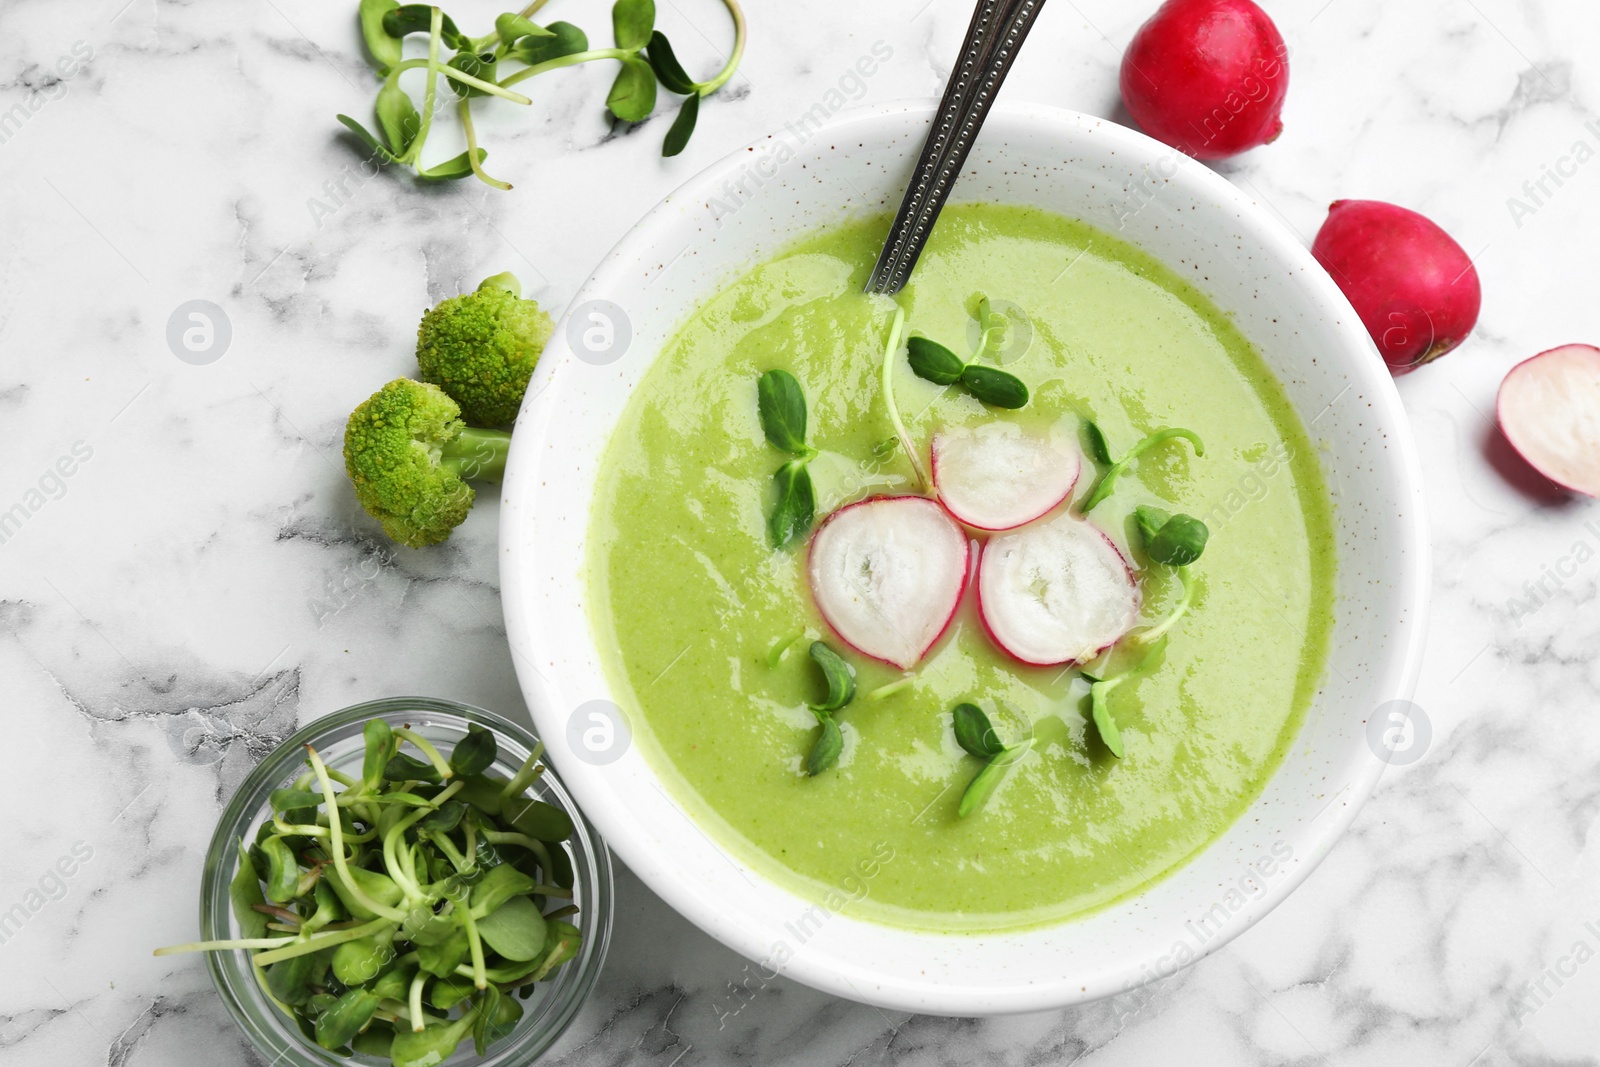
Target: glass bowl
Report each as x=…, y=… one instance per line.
x=338, y=739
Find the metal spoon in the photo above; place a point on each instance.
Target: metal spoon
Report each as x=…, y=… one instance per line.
x=994, y=36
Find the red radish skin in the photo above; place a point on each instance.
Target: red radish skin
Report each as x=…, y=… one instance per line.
x=1069, y=615
x=1414, y=288
x=1207, y=77
x=887, y=574
x=1549, y=409
x=995, y=477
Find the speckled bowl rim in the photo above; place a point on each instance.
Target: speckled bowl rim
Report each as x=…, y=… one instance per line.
x=542, y=628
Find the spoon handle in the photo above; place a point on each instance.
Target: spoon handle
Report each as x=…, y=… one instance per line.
x=994, y=37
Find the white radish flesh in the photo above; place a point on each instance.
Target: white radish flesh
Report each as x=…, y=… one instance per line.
x=1549, y=410
x=887, y=574
x=995, y=477
x=1056, y=592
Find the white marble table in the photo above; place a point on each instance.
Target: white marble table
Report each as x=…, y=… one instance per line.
x=188, y=576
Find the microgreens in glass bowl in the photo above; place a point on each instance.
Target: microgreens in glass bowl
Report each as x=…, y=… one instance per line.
x=405, y=882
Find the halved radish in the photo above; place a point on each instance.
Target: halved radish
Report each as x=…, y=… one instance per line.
x=1056, y=592
x=995, y=477
x=1549, y=410
x=887, y=574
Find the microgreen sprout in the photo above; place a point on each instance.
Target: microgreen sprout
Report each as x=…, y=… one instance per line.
x=977, y=736
x=1101, y=452
x=1176, y=541
x=936, y=363
x=477, y=69
x=782, y=406
x=890, y=349
x=841, y=681
x=402, y=891
x=1170, y=540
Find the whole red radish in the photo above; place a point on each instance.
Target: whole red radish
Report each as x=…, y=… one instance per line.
x=1549, y=408
x=1414, y=287
x=1208, y=77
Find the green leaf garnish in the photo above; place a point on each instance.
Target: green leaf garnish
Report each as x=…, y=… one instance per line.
x=1176, y=540
x=632, y=22
x=478, y=66
x=974, y=732
x=397, y=117
x=338, y=1025
x=474, y=753
x=682, y=126
x=404, y=768
x=986, y=780
x=841, y=681
x=782, y=405
x=454, y=167
x=511, y=28
x=633, y=94
x=795, y=507
x=665, y=63
x=1098, y=449
x=825, y=751
x=244, y=892
x=839, y=675
x=1100, y=712
x=565, y=40
x=416, y=18
x=377, y=147
x=381, y=47
x=933, y=362
x=995, y=387
x=1108, y=480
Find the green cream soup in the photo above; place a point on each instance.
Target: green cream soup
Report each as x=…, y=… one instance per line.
x=691, y=602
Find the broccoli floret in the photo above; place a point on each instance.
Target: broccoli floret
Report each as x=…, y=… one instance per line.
x=410, y=457
x=481, y=349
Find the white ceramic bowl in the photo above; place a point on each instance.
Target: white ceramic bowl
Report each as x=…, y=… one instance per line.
x=750, y=204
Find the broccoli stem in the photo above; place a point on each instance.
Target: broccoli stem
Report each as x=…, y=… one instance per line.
x=477, y=455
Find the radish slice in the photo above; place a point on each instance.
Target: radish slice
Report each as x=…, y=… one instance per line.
x=1056, y=592
x=995, y=477
x=887, y=574
x=1549, y=409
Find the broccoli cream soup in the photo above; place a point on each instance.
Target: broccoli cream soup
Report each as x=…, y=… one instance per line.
x=1204, y=560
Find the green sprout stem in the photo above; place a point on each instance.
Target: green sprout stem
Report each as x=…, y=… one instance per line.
x=780, y=650
x=892, y=688
x=322, y=940
x=989, y=778
x=994, y=329
x=1149, y=636
x=708, y=87
x=574, y=59
x=530, y=770
x=391, y=843
x=282, y=947
x=425, y=746
x=454, y=74
x=429, y=89
x=340, y=864
x=537, y=847
x=414, y=1002
x=1108, y=480
x=465, y=108
x=896, y=329
x=475, y=948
